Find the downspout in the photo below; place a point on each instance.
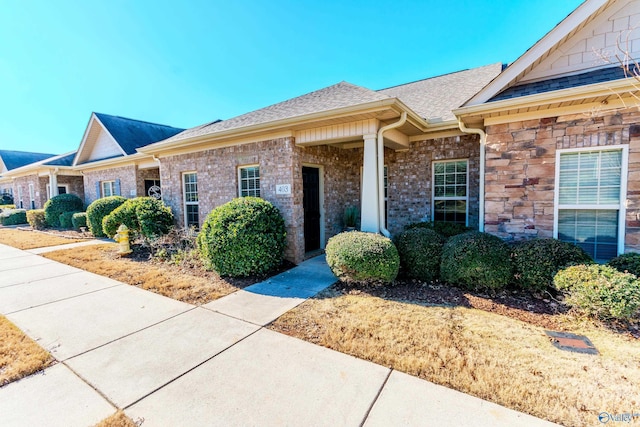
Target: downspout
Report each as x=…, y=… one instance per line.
x=381, y=212
x=483, y=142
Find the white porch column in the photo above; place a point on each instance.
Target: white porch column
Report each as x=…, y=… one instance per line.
x=369, y=206
x=53, y=184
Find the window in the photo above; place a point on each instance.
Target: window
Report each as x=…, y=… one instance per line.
x=32, y=196
x=108, y=188
x=62, y=189
x=191, y=204
x=450, y=189
x=249, y=181
x=589, y=202
x=20, y=202
x=386, y=199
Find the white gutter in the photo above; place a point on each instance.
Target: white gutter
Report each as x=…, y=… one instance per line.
x=483, y=141
x=381, y=212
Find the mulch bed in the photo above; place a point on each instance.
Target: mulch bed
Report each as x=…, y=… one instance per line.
x=540, y=310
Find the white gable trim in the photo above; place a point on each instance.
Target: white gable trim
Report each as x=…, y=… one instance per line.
x=538, y=50
x=85, y=137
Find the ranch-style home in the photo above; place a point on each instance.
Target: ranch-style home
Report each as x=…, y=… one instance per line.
x=546, y=147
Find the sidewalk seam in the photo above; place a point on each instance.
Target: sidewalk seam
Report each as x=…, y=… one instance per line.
x=375, y=399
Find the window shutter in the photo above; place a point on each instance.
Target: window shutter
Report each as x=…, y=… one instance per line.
x=98, y=195
x=118, y=187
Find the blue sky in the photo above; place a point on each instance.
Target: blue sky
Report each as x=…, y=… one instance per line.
x=184, y=63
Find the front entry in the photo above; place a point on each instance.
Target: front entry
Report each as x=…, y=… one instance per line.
x=152, y=188
x=311, y=204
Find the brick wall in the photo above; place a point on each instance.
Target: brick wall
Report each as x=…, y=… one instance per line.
x=75, y=184
x=22, y=183
x=144, y=174
x=410, y=174
x=520, y=169
x=126, y=175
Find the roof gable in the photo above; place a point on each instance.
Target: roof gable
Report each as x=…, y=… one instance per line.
x=16, y=159
x=109, y=136
x=569, y=47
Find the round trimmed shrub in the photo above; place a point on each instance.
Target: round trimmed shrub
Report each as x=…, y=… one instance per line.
x=536, y=262
x=626, y=263
x=445, y=229
x=476, y=260
x=60, y=204
x=66, y=220
x=359, y=257
x=100, y=208
x=35, y=218
x=600, y=291
x=243, y=237
x=420, y=250
x=144, y=216
x=79, y=219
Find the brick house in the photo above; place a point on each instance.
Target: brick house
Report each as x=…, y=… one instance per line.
x=10, y=160
x=108, y=160
x=560, y=132
x=34, y=183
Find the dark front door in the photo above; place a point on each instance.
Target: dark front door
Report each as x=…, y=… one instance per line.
x=311, y=204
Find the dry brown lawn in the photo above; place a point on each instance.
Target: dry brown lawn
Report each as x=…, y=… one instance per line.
x=19, y=355
x=27, y=239
x=189, y=285
x=119, y=419
x=494, y=357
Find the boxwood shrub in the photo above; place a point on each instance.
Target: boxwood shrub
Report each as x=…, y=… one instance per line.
x=60, y=204
x=79, y=219
x=144, y=216
x=243, y=237
x=66, y=220
x=36, y=220
x=626, y=263
x=536, y=262
x=13, y=217
x=476, y=260
x=445, y=229
x=100, y=208
x=420, y=250
x=600, y=291
x=359, y=257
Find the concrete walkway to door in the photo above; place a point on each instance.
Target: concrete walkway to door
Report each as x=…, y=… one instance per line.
x=170, y=363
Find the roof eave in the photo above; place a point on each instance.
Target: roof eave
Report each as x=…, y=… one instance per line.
x=114, y=161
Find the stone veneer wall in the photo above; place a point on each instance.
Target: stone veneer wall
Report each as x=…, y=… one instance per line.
x=520, y=169
x=409, y=175
x=126, y=175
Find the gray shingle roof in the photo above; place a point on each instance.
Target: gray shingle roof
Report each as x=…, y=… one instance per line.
x=566, y=82
x=17, y=159
x=131, y=134
x=65, y=160
x=340, y=95
x=436, y=97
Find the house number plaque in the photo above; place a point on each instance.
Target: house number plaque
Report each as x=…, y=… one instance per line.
x=283, y=188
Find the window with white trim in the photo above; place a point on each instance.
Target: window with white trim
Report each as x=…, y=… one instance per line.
x=20, y=201
x=191, y=202
x=32, y=196
x=108, y=188
x=589, y=199
x=249, y=181
x=450, y=191
x=62, y=189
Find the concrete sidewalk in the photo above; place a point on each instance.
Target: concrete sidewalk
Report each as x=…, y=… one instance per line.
x=172, y=363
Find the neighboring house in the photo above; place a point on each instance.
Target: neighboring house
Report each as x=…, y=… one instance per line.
x=315, y=155
x=562, y=137
x=10, y=160
x=108, y=159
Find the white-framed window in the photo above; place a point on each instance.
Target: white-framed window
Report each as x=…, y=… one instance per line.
x=190, y=197
x=32, y=196
x=589, y=199
x=450, y=184
x=108, y=188
x=249, y=181
x=20, y=201
x=62, y=189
